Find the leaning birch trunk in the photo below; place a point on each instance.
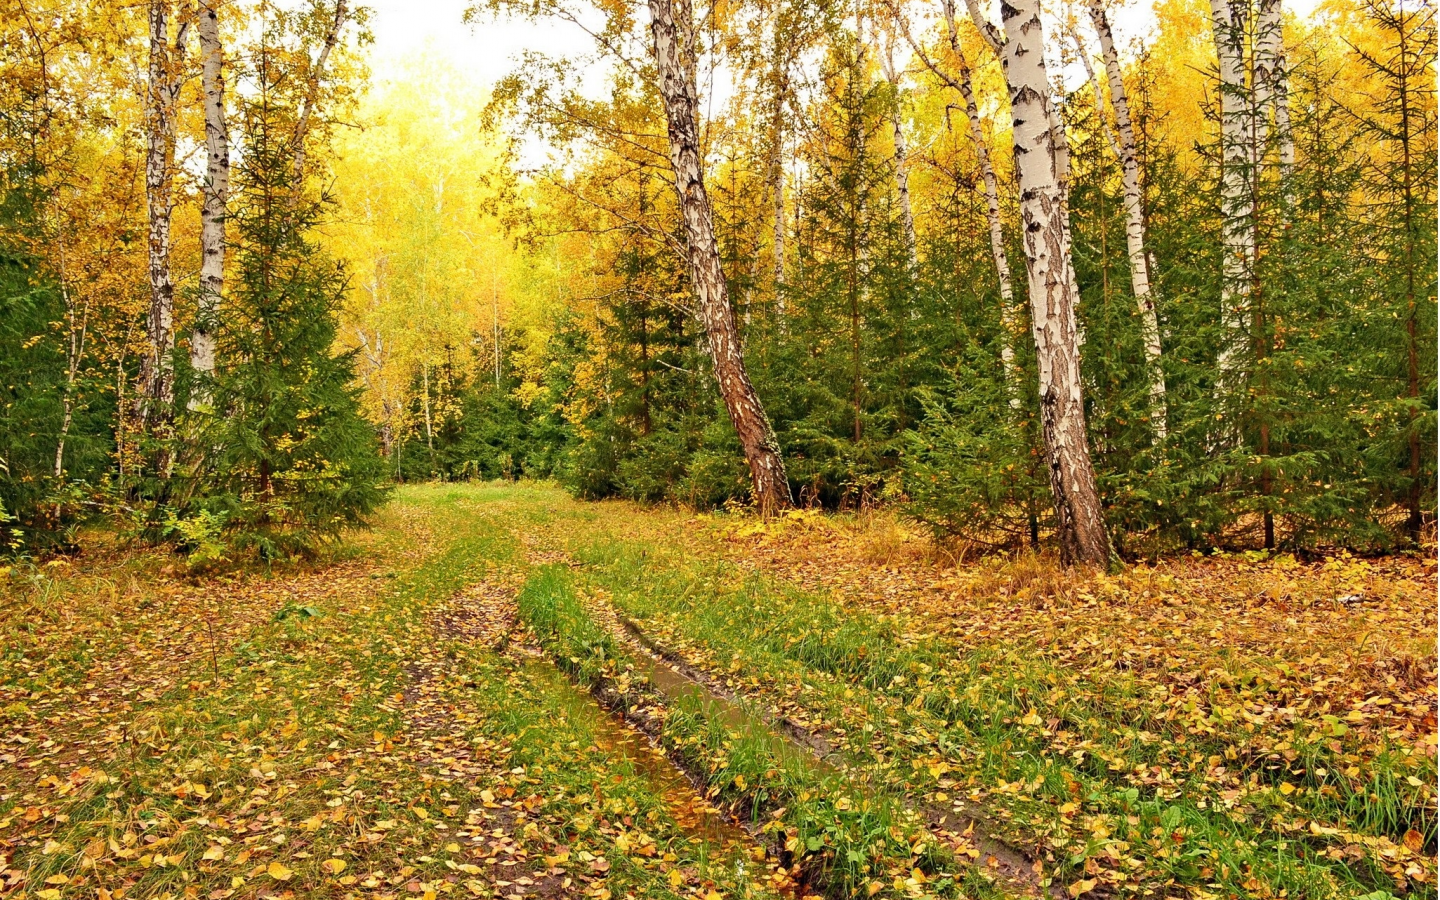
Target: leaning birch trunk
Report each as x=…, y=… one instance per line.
x=1079, y=522
x=1008, y=318
x=1134, y=218
x=1235, y=199
x=212, y=210
x=669, y=20
x=157, y=377
x=312, y=93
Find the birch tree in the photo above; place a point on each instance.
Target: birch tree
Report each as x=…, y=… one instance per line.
x=157, y=377
x=671, y=29
x=1124, y=145
x=1039, y=163
x=779, y=94
x=964, y=84
x=215, y=192
x=314, y=81
x=902, y=173
x=1272, y=92
x=1229, y=20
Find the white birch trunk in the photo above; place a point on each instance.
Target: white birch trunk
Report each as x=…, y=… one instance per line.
x=780, y=76
x=212, y=211
x=157, y=377
x=1272, y=90
x=670, y=23
x=1080, y=525
x=74, y=354
x=1008, y=317
x=1134, y=218
x=1237, y=208
x=902, y=174
x=312, y=92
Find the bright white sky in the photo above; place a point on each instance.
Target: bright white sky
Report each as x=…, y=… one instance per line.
x=486, y=52
x=489, y=50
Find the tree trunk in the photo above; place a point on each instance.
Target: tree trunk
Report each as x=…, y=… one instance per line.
x=212, y=211
x=781, y=78
x=670, y=22
x=902, y=173
x=1134, y=218
x=1272, y=88
x=1080, y=525
x=157, y=377
x=1237, y=206
x=425, y=406
x=312, y=93
x=74, y=353
x=1008, y=318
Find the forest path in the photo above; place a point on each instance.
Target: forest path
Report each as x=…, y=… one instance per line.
x=389, y=721
x=1252, y=724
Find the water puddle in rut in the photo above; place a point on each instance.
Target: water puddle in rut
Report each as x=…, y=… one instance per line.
x=697, y=819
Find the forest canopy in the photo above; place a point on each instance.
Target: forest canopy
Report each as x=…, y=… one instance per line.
x=1032, y=286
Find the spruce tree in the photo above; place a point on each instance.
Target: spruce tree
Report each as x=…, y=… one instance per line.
x=294, y=462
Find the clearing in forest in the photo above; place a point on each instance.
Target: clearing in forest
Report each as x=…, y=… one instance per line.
x=502, y=692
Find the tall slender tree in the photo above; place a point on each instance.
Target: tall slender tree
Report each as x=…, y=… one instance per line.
x=1229, y=21
x=1124, y=145
x=157, y=376
x=963, y=83
x=1041, y=164
x=215, y=193
x=671, y=27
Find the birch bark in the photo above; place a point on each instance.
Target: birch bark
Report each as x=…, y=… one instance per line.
x=1080, y=525
x=1237, y=205
x=215, y=193
x=780, y=75
x=902, y=174
x=1272, y=92
x=669, y=23
x=312, y=91
x=1134, y=217
x=1008, y=318
x=157, y=377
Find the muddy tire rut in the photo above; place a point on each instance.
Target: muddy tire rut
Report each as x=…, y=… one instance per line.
x=674, y=677
x=485, y=614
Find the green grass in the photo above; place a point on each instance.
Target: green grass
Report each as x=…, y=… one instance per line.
x=846, y=835
x=919, y=700
x=297, y=742
x=303, y=749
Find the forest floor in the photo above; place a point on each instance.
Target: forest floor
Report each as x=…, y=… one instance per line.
x=502, y=692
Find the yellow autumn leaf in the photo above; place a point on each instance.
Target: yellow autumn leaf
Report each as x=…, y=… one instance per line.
x=1031, y=718
x=279, y=871
x=213, y=852
x=333, y=865
x=1081, y=886
x=677, y=877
